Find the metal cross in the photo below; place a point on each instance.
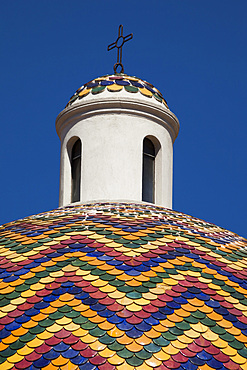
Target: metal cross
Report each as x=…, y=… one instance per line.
x=119, y=44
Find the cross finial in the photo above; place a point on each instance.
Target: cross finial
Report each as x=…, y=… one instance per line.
x=119, y=44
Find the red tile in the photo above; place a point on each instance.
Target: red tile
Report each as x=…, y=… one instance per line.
x=45, y=347
x=212, y=350
x=79, y=346
x=202, y=342
x=97, y=360
x=88, y=352
x=72, y=339
x=179, y=357
x=62, y=334
x=171, y=364
x=222, y=357
x=33, y=356
x=150, y=308
x=232, y=365
x=23, y=364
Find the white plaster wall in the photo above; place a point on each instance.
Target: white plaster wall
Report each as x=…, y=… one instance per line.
x=112, y=134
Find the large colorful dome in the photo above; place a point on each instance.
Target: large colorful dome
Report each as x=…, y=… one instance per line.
x=121, y=286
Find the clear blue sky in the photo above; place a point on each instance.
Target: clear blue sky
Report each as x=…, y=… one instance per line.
x=193, y=51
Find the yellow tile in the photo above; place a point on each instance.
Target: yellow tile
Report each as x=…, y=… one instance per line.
x=8, y=308
x=134, y=347
x=178, y=344
x=72, y=327
x=115, y=332
x=107, y=353
x=39, y=317
x=68, y=366
x=182, y=313
x=10, y=339
x=18, y=300
x=153, y=362
x=184, y=339
x=239, y=359
x=25, y=350
x=3, y=346
x=54, y=328
x=36, y=342
x=64, y=321
x=88, y=338
x=209, y=335
x=125, y=366
x=116, y=360
x=215, y=316
x=19, y=332
x=14, y=358
x=7, y=365
x=220, y=343
x=125, y=340
x=80, y=333
x=199, y=327
x=105, y=325
x=233, y=330
x=152, y=333
x=206, y=309
x=161, y=355
x=97, y=346
x=45, y=335
x=29, y=324
x=60, y=361
x=50, y=367
x=143, y=340
x=28, y=293
x=48, y=310
x=144, y=366
x=175, y=318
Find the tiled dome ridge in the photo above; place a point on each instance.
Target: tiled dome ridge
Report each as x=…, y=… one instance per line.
x=117, y=83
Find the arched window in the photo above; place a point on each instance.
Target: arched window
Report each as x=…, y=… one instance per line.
x=76, y=171
x=148, y=171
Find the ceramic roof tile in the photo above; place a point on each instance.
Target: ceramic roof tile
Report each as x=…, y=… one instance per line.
x=113, y=83
x=112, y=297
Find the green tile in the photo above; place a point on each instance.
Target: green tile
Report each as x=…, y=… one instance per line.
x=97, y=332
x=198, y=314
x=125, y=353
x=152, y=347
x=160, y=341
x=64, y=308
x=183, y=325
x=169, y=336
x=208, y=322
x=7, y=352
x=79, y=319
x=37, y=330
x=88, y=325
x=27, y=337
x=116, y=346
x=46, y=323
x=175, y=331
x=218, y=330
x=106, y=339
x=134, y=361
x=134, y=295
x=16, y=345
x=144, y=355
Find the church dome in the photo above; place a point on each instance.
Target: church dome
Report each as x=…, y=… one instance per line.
x=121, y=286
x=117, y=83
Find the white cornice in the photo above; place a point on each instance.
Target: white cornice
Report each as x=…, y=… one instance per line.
x=124, y=105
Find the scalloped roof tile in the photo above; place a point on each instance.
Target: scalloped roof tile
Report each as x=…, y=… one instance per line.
x=121, y=286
